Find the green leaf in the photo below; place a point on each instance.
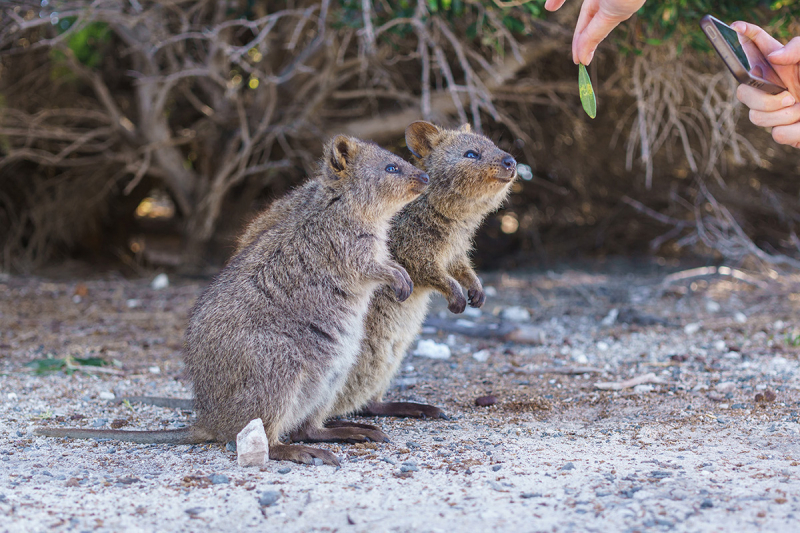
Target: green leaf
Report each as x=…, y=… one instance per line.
x=586, y=92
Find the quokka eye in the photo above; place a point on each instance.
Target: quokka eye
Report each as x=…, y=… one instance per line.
x=392, y=169
x=472, y=154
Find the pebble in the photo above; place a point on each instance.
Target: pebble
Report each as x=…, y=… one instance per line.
x=472, y=312
x=218, y=479
x=767, y=396
x=495, y=468
x=133, y=303
x=231, y=446
x=720, y=345
x=413, y=445
x=194, y=511
x=712, y=306
x=527, y=495
x=269, y=497
x=106, y=395
x=740, y=317
x=154, y=370
x=568, y=466
x=100, y=422
x=610, y=318
x=284, y=470
x=602, y=346
x=252, y=448
x=409, y=468
x=432, y=349
x=160, y=282
x=725, y=386
x=490, y=291
x=707, y=504
x=691, y=328
x=389, y=460
x=318, y=461
x=643, y=388
x=481, y=356
x=485, y=401
x=516, y=314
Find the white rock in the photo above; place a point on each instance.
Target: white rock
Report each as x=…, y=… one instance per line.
x=610, y=318
x=740, y=317
x=409, y=368
x=691, y=328
x=481, y=356
x=580, y=358
x=451, y=340
x=106, y=395
x=154, y=370
x=516, y=314
x=602, y=346
x=465, y=323
x=778, y=324
x=712, y=306
x=490, y=291
x=12, y=396
x=732, y=355
x=725, y=386
x=160, y=282
x=252, y=447
x=132, y=303
x=432, y=349
x=643, y=388
x=720, y=345
x=472, y=312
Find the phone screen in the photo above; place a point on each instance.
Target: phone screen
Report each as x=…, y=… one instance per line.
x=748, y=54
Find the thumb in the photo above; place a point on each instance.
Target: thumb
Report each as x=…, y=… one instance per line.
x=788, y=55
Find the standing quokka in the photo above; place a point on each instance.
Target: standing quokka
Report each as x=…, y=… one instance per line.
x=278, y=331
x=431, y=237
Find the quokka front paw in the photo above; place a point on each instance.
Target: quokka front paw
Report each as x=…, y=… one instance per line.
x=402, y=284
x=456, y=303
x=476, y=297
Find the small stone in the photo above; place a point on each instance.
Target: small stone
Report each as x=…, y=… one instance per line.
x=231, y=446
x=485, y=401
x=740, y=317
x=252, y=447
x=527, y=495
x=284, y=470
x=643, y=388
x=432, y=349
x=610, y=318
x=72, y=482
x=707, y=504
x=495, y=468
x=154, y=370
x=100, y=422
x=712, y=306
x=318, y=461
x=133, y=303
x=767, y=396
x=160, y=282
x=12, y=396
x=568, y=466
x=725, y=386
x=389, y=460
x=472, y=312
x=413, y=445
x=516, y=314
x=691, y=328
x=409, y=468
x=218, y=479
x=490, y=291
x=602, y=346
x=269, y=497
x=194, y=511
x=720, y=345
x=481, y=356
x=106, y=395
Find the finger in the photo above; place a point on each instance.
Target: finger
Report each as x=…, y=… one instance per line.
x=764, y=41
x=788, y=55
x=598, y=29
x=758, y=100
x=789, y=134
x=552, y=5
x=588, y=11
x=770, y=119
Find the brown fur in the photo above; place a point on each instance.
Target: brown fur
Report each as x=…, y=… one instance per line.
x=431, y=237
x=277, y=332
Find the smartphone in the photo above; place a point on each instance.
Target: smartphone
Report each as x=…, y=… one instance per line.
x=743, y=58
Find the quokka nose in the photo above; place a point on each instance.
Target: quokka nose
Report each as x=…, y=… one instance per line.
x=423, y=178
x=509, y=162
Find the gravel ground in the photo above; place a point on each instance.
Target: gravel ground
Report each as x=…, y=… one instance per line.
x=709, y=439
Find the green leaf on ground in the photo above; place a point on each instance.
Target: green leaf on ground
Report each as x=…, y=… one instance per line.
x=586, y=92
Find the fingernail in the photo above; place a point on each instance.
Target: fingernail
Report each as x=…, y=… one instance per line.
x=788, y=100
x=738, y=26
x=590, y=58
x=777, y=53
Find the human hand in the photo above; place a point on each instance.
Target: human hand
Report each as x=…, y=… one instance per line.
x=781, y=112
x=597, y=19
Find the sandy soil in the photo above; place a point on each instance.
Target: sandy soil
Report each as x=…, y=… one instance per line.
x=695, y=451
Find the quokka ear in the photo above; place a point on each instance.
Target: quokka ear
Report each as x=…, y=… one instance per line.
x=465, y=128
x=422, y=137
x=341, y=153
